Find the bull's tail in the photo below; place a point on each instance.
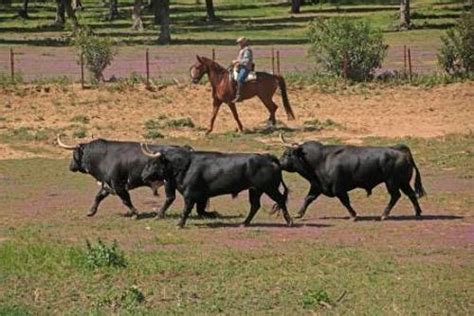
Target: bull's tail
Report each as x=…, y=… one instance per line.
x=284, y=96
x=276, y=208
x=419, y=190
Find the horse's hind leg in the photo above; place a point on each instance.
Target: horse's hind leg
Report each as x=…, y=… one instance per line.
x=233, y=109
x=271, y=107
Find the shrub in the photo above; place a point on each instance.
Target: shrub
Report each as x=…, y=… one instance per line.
x=456, y=55
x=334, y=40
x=101, y=255
x=98, y=52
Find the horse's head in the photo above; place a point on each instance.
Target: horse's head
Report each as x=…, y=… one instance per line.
x=199, y=69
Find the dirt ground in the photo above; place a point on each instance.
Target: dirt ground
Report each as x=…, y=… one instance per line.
x=122, y=113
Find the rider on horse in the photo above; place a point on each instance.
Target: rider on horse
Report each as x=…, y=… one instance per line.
x=244, y=63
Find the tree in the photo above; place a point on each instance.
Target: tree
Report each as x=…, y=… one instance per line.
x=23, y=12
x=165, y=34
x=295, y=6
x=156, y=11
x=113, y=9
x=137, y=15
x=211, y=15
x=404, y=14
x=62, y=7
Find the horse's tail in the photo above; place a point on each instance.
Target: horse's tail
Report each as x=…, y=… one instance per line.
x=284, y=96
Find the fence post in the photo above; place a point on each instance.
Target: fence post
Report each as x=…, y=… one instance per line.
x=278, y=62
x=147, y=64
x=409, y=64
x=273, y=60
x=12, y=64
x=213, y=54
x=345, y=62
x=82, y=71
x=405, y=60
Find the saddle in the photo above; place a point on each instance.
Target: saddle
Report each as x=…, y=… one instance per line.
x=252, y=74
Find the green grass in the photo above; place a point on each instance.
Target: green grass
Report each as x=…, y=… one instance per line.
x=265, y=22
x=45, y=264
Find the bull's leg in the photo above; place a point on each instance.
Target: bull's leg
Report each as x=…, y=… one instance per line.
x=407, y=189
x=394, y=196
x=188, y=206
x=233, y=109
x=170, y=191
x=125, y=197
x=280, y=199
x=101, y=195
x=215, y=109
x=344, y=198
x=254, y=199
x=310, y=198
x=201, y=209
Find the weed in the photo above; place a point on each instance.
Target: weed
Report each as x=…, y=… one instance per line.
x=102, y=255
x=81, y=119
x=81, y=132
x=179, y=122
x=314, y=298
x=153, y=134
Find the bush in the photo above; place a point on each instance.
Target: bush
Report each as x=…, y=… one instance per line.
x=98, y=52
x=456, y=54
x=101, y=255
x=333, y=40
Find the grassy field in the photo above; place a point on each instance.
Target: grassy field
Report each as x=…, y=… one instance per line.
x=326, y=264
x=265, y=22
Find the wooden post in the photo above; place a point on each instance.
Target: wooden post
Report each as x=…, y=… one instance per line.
x=409, y=64
x=82, y=71
x=12, y=64
x=405, y=60
x=213, y=54
x=147, y=64
x=345, y=64
x=273, y=60
x=278, y=62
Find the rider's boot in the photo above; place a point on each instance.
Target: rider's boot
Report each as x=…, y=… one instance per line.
x=238, y=97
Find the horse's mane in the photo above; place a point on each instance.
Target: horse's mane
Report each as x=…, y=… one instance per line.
x=213, y=65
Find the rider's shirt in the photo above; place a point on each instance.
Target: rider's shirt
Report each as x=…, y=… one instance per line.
x=245, y=57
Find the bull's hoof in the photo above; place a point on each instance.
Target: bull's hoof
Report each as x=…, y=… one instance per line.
x=289, y=223
x=209, y=215
x=91, y=213
x=160, y=215
x=418, y=216
x=209, y=131
x=298, y=216
x=383, y=217
x=353, y=218
x=245, y=224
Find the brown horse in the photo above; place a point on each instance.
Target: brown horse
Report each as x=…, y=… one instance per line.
x=223, y=90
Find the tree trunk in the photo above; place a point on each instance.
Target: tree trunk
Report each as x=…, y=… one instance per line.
x=23, y=12
x=295, y=6
x=404, y=14
x=60, y=13
x=70, y=12
x=6, y=2
x=156, y=11
x=165, y=35
x=137, y=16
x=113, y=10
x=211, y=15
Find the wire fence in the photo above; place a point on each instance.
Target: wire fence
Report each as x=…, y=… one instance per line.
x=171, y=63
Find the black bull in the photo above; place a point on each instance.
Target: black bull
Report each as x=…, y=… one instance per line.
x=199, y=175
x=333, y=170
x=117, y=166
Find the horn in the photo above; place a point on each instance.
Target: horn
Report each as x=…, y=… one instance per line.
x=147, y=152
x=62, y=145
x=287, y=144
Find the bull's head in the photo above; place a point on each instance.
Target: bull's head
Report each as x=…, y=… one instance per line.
x=156, y=168
x=77, y=155
x=291, y=156
x=198, y=70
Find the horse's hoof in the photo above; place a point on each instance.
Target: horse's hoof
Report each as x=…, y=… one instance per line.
x=289, y=223
x=353, y=218
x=383, y=217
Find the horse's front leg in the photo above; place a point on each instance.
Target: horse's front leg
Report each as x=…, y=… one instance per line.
x=233, y=109
x=215, y=109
